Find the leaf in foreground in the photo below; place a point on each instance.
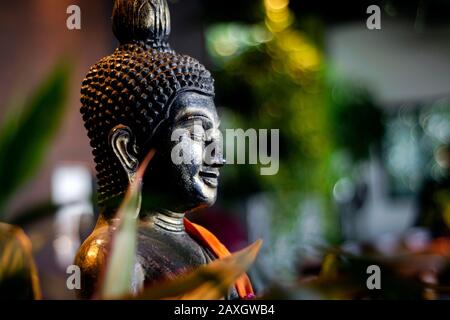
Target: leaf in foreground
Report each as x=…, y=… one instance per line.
x=18, y=274
x=120, y=267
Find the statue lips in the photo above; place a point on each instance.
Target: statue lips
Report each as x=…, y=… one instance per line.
x=210, y=177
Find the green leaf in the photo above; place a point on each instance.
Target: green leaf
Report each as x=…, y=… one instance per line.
x=121, y=262
x=26, y=134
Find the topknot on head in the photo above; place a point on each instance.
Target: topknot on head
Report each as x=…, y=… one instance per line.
x=142, y=21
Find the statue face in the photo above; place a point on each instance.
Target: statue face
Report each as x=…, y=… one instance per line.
x=192, y=184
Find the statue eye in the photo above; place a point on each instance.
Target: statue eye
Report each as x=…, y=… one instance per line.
x=200, y=120
x=198, y=134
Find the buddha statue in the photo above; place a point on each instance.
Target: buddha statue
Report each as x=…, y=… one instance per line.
x=132, y=102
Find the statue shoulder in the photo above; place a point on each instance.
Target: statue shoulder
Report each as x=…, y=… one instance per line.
x=91, y=259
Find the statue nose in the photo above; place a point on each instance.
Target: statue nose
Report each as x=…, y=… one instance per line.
x=215, y=156
x=218, y=163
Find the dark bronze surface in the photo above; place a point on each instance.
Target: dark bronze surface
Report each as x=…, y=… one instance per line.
x=132, y=102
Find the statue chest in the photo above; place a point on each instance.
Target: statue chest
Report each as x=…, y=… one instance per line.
x=163, y=255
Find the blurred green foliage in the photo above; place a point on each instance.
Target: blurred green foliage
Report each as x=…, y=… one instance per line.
x=278, y=84
x=27, y=131
x=358, y=123
x=274, y=75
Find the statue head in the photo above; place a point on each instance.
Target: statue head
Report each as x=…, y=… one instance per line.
x=135, y=99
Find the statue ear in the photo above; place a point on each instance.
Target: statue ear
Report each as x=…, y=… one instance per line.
x=123, y=143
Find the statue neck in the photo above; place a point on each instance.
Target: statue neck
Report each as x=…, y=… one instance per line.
x=167, y=220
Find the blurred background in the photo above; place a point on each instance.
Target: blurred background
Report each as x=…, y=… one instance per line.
x=364, y=119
